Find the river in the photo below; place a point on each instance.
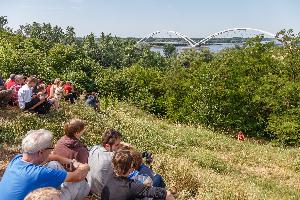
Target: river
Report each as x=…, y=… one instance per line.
x=212, y=48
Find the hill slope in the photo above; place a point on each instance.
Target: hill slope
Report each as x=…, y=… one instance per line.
x=196, y=163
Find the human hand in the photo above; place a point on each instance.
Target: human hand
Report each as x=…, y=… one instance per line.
x=42, y=99
x=75, y=163
x=169, y=196
x=84, y=167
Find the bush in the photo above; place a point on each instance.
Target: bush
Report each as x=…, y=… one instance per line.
x=247, y=89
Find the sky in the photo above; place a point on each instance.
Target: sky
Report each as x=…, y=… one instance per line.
x=138, y=18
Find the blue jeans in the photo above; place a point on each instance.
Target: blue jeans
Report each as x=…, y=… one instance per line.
x=158, y=181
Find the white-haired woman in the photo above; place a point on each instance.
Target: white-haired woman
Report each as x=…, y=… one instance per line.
x=26, y=173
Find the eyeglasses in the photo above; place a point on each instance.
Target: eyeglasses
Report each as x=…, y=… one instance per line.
x=49, y=148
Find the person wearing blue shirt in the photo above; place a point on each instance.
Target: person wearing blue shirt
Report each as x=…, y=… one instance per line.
x=92, y=100
x=26, y=173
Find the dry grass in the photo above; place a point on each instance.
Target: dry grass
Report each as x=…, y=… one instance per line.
x=6, y=154
x=195, y=162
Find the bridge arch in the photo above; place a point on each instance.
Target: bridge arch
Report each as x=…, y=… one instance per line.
x=192, y=43
x=186, y=38
x=203, y=41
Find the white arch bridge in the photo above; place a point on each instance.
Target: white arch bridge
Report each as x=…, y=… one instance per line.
x=192, y=43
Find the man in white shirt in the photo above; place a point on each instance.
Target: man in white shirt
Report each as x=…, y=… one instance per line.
x=28, y=101
x=100, y=157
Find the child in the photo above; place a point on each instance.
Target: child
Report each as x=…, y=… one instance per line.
x=136, y=175
x=59, y=92
x=70, y=146
x=121, y=188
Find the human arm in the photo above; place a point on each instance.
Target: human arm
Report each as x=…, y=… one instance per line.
x=79, y=174
x=60, y=159
x=51, y=91
x=169, y=196
x=140, y=191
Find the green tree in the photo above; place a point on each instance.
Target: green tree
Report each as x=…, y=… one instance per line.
x=3, y=22
x=169, y=50
x=70, y=35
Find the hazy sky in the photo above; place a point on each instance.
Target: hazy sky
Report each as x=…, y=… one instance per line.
x=195, y=18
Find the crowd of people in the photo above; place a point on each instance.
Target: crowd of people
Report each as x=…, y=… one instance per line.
x=68, y=170
x=33, y=95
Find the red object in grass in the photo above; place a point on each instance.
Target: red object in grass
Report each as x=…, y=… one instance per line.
x=240, y=136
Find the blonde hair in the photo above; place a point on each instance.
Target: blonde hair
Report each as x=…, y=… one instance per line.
x=56, y=81
x=46, y=193
x=61, y=84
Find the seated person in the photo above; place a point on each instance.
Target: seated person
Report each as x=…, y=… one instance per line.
x=1, y=82
x=92, y=100
x=119, y=187
x=28, y=101
x=70, y=146
x=26, y=171
x=19, y=82
x=59, y=92
x=137, y=175
x=10, y=82
x=144, y=169
x=42, y=93
x=83, y=97
x=142, y=172
x=69, y=92
x=5, y=97
x=100, y=160
x=46, y=193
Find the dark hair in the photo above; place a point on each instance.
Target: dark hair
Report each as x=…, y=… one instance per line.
x=41, y=87
x=136, y=156
x=12, y=76
x=137, y=159
x=110, y=136
x=31, y=79
x=122, y=161
x=73, y=126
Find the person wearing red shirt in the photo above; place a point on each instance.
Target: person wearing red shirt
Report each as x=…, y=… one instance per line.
x=11, y=81
x=69, y=92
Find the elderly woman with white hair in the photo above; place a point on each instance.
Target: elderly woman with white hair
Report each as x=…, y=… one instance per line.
x=26, y=171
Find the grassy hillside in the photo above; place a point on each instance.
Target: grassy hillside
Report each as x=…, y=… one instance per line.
x=196, y=162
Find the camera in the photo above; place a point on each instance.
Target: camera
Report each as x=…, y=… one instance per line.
x=148, y=157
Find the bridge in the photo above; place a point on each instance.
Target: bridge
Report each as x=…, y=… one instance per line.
x=204, y=41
